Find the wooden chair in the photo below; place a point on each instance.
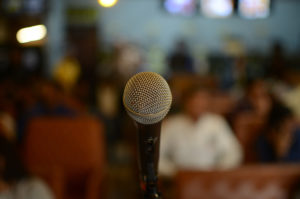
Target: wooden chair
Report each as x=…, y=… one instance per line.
x=250, y=182
x=69, y=153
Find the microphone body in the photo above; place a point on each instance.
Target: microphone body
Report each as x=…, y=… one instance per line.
x=148, y=148
x=147, y=99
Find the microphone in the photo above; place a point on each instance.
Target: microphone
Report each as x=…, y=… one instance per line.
x=147, y=99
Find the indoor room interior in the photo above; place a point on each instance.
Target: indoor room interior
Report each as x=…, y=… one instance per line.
x=232, y=130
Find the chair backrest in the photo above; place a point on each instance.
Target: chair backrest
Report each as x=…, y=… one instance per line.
x=72, y=146
x=249, y=182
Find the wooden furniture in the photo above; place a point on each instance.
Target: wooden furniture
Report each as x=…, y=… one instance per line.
x=68, y=153
x=249, y=182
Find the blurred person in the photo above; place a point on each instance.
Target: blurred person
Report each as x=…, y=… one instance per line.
x=280, y=140
x=26, y=98
x=67, y=72
x=83, y=92
x=277, y=62
x=235, y=73
x=7, y=126
x=180, y=60
x=281, y=87
x=49, y=103
x=156, y=59
x=239, y=73
x=8, y=109
x=7, y=96
x=222, y=104
x=291, y=97
x=15, y=182
x=250, y=115
x=257, y=100
x=108, y=107
x=197, y=138
x=107, y=100
x=128, y=59
x=49, y=99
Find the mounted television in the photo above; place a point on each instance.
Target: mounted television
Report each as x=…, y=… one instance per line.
x=254, y=9
x=217, y=8
x=181, y=7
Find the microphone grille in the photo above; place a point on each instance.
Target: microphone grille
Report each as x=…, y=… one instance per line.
x=147, y=97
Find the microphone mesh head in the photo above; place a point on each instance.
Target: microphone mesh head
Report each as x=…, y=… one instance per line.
x=147, y=97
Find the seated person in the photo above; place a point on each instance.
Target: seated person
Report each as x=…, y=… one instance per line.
x=249, y=116
x=257, y=100
x=14, y=180
x=197, y=139
x=181, y=60
x=7, y=126
x=49, y=103
x=280, y=141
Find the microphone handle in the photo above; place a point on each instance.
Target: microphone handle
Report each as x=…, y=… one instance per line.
x=149, y=140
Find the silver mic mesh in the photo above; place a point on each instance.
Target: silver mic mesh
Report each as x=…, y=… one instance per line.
x=147, y=97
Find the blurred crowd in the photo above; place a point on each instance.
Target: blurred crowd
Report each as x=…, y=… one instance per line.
x=244, y=109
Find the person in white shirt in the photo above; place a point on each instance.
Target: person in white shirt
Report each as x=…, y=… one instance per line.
x=197, y=139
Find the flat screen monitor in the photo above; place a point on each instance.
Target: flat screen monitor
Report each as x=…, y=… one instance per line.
x=181, y=7
x=254, y=9
x=217, y=8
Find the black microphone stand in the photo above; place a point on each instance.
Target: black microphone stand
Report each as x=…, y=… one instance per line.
x=149, y=138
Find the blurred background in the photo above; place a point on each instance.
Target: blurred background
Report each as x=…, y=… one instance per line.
x=64, y=65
